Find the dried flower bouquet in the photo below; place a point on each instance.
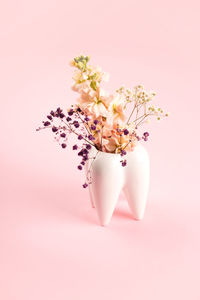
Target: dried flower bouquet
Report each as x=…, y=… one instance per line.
x=99, y=118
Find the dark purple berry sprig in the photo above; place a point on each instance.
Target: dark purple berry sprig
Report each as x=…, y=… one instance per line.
x=88, y=146
x=87, y=119
x=75, y=122
x=79, y=109
x=63, y=135
x=85, y=157
x=90, y=137
x=58, y=113
x=126, y=132
x=93, y=127
x=68, y=119
x=49, y=117
x=63, y=145
x=80, y=137
x=123, y=162
x=71, y=112
x=85, y=151
x=62, y=115
x=145, y=136
x=46, y=123
x=80, y=153
x=123, y=152
x=54, y=129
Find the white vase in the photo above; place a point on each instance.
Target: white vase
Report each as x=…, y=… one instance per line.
x=109, y=178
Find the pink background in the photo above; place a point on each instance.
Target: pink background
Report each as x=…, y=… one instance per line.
x=51, y=246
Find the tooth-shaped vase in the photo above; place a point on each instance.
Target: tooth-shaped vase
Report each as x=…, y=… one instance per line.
x=109, y=178
x=137, y=180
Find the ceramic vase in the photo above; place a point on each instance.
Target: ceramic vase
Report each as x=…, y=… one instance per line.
x=109, y=178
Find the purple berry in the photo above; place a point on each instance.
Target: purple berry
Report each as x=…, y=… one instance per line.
x=146, y=134
x=54, y=129
x=63, y=145
x=85, y=151
x=76, y=124
x=80, y=167
x=75, y=147
x=95, y=122
x=124, y=163
x=68, y=119
x=49, y=117
x=62, y=115
x=80, y=137
x=93, y=127
x=78, y=109
x=85, y=158
x=126, y=132
x=83, y=163
x=70, y=113
x=90, y=137
x=85, y=185
x=52, y=113
x=80, y=153
x=63, y=135
x=87, y=119
x=47, y=123
x=88, y=146
x=123, y=152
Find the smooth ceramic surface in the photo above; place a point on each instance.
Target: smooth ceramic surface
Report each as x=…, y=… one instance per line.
x=109, y=178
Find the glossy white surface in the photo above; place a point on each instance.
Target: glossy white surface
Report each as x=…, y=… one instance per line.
x=109, y=178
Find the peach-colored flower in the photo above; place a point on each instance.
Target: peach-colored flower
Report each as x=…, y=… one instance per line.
x=116, y=110
x=97, y=108
x=114, y=140
x=95, y=102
